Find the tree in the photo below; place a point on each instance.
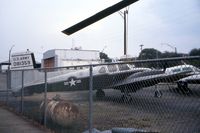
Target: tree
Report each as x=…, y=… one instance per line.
x=195, y=52
x=167, y=54
x=105, y=57
x=149, y=53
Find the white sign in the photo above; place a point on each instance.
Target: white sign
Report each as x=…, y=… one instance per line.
x=21, y=61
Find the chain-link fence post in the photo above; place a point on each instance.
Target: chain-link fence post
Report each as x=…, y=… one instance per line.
x=45, y=97
x=8, y=85
x=91, y=100
x=22, y=93
x=7, y=88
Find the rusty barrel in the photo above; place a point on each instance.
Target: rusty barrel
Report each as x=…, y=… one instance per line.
x=61, y=112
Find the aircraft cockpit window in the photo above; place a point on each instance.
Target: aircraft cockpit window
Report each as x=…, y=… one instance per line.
x=123, y=67
x=187, y=69
x=112, y=68
x=102, y=70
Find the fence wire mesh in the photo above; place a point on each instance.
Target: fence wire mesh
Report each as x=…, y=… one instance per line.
x=159, y=99
x=3, y=87
x=67, y=106
x=15, y=85
x=148, y=96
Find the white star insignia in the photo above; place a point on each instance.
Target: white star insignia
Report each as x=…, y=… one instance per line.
x=72, y=82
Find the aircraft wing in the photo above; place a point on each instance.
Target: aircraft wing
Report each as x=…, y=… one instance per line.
x=193, y=79
x=147, y=79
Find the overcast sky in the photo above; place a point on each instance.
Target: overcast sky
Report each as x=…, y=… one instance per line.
x=37, y=24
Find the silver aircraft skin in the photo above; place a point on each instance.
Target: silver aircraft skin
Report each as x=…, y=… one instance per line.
x=104, y=77
x=123, y=77
x=193, y=79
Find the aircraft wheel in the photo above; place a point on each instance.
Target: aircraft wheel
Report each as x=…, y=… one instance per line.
x=183, y=86
x=158, y=94
x=126, y=98
x=100, y=94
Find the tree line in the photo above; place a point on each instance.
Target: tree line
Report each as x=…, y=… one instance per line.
x=151, y=53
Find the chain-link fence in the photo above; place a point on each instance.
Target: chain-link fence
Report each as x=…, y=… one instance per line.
x=147, y=96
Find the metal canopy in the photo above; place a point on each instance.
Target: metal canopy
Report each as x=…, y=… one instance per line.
x=98, y=16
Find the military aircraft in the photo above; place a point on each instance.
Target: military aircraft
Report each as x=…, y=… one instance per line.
x=123, y=77
x=149, y=78
x=104, y=76
x=193, y=79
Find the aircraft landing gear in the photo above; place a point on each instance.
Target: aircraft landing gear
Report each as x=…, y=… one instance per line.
x=126, y=97
x=157, y=93
x=100, y=94
x=183, y=87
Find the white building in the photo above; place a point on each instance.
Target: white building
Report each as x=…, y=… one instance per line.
x=70, y=57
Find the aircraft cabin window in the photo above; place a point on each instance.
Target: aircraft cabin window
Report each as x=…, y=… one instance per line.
x=102, y=70
x=112, y=68
x=123, y=67
x=176, y=70
x=187, y=69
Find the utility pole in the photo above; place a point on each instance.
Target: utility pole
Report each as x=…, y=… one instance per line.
x=141, y=47
x=125, y=31
x=125, y=18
